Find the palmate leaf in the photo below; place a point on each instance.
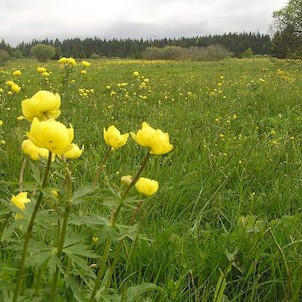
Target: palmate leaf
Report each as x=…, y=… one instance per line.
x=89, y=220
x=81, y=250
x=80, y=263
x=81, y=192
x=134, y=292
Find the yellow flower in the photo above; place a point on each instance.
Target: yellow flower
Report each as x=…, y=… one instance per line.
x=71, y=61
x=156, y=140
x=135, y=73
x=9, y=83
x=51, y=135
x=17, y=73
x=34, y=152
x=74, y=153
x=83, y=71
x=20, y=201
x=85, y=63
x=41, y=69
x=126, y=180
x=147, y=186
x=63, y=60
x=15, y=88
x=1, y=122
x=45, y=74
x=114, y=138
x=43, y=105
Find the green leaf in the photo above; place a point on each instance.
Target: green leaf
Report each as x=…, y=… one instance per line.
x=137, y=290
x=82, y=191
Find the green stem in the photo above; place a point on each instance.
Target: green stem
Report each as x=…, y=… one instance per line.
x=62, y=235
x=29, y=230
x=137, y=175
x=105, y=255
x=101, y=167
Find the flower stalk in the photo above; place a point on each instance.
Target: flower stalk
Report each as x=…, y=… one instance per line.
x=29, y=231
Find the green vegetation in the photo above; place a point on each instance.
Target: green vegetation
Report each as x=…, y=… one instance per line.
x=225, y=224
x=43, y=52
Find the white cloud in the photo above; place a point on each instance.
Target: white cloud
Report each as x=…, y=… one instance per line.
x=26, y=20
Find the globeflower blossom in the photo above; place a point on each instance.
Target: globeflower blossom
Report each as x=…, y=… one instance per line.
x=20, y=201
x=85, y=63
x=114, y=138
x=34, y=152
x=43, y=105
x=147, y=186
x=51, y=135
x=156, y=140
x=17, y=73
x=74, y=152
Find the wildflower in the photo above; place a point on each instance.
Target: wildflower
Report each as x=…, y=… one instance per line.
x=1, y=122
x=126, y=180
x=135, y=74
x=83, y=71
x=43, y=105
x=41, y=69
x=54, y=193
x=147, y=186
x=156, y=140
x=15, y=88
x=114, y=138
x=71, y=61
x=51, y=135
x=85, y=63
x=63, y=60
x=9, y=83
x=20, y=201
x=34, y=152
x=17, y=73
x=45, y=74
x=74, y=153
x=20, y=118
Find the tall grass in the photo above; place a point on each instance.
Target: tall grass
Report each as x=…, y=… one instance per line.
x=225, y=224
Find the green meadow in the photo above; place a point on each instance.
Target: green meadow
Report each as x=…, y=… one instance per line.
x=225, y=224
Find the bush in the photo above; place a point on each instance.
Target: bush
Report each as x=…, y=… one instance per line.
x=43, y=52
x=210, y=53
x=4, y=56
x=248, y=53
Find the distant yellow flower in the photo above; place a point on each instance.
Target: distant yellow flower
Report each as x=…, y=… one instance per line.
x=85, y=63
x=15, y=88
x=17, y=73
x=34, y=152
x=74, y=153
x=9, y=83
x=71, y=61
x=1, y=122
x=20, y=201
x=156, y=140
x=83, y=71
x=114, y=138
x=41, y=69
x=45, y=74
x=147, y=186
x=126, y=180
x=43, y=105
x=63, y=60
x=135, y=73
x=51, y=135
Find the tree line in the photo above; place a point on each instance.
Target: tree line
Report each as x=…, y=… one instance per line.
x=235, y=43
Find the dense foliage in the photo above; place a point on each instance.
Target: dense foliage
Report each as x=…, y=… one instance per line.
x=127, y=48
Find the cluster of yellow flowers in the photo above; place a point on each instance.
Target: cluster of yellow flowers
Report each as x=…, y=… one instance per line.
x=15, y=88
x=43, y=71
x=67, y=61
x=157, y=141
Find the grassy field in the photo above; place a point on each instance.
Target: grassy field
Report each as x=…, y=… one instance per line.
x=225, y=224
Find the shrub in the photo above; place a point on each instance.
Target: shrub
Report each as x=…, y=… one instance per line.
x=248, y=53
x=4, y=56
x=43, y=52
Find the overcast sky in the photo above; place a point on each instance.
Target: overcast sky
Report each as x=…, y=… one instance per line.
x=24, y=20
